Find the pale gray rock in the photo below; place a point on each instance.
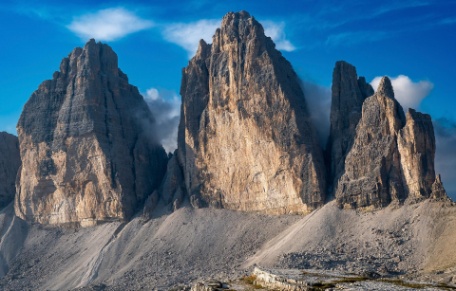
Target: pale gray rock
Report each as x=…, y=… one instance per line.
x=173, y=187
x=87, y=144
x=416, y=144
x=392, y=157
x=438, y=191
x=373, y=173
x=245, y=138
x=348, y=95
x=10, y=162
x=150, y=205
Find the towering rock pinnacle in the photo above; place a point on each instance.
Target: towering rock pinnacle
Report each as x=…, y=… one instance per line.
x=245, y=140
x=373, y=174
x=10, y=162
x=348, y=95
x=392, y=157
x=86, y=144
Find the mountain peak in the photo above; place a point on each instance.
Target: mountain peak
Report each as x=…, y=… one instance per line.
x=239, y=15
x=87, y=110
x=244, y=90
x=238, y=26
x=385, y=88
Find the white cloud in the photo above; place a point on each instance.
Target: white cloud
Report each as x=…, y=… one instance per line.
x=188, y=35
x=408, y=93
x=165, y=106
x=276, y=31
x=108, y=24
x=151, y=94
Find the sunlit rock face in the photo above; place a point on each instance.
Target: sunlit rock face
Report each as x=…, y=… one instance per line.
x=87, y=145
x=392, y=157
x=245, y=137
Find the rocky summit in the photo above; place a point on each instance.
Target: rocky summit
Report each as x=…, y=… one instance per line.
x=89, y=154
x=348, y=95
x=87, y=145
x=10, y=162
x=245, y=138
x=392, y=156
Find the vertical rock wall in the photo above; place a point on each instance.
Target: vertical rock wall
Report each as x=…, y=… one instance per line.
x=245, y=138
x=86, y=143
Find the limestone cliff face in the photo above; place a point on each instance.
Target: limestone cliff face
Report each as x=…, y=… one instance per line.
x=392, y=157
x=10, y=162
x=372, y=168
x=86, y=142
x=348, y=95
x=416, y=144
x=245, y=140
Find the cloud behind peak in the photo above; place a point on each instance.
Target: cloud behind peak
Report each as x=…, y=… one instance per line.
x=407, y=92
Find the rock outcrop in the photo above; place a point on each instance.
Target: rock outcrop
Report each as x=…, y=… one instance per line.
x=438, y=191
x=373, y=174
x=392, y=157
x=87, y=145
x=173, y=187
x=10, y=162
x=416, y=144
x=348, y=95
x=245, y=138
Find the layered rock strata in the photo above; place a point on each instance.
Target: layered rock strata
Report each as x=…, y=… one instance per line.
x=87, y=145
x=245, y=138
x=10, y=162
x=348, y=95
x=392, y=157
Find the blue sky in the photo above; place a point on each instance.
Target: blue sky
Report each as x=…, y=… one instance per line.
x=412, y=41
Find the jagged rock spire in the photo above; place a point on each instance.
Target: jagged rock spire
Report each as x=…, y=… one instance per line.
x=392, y=157
x=348, y=95
x=385, y=88
x=245, y=138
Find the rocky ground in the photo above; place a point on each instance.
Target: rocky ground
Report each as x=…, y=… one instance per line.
x=173, y=250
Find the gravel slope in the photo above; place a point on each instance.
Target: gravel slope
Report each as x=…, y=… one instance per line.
x=413, y=241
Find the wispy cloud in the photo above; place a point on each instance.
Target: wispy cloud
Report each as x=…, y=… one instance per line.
x=318, y=100
x=165, y=106
x=448, y=21
x=399, y=5
x=108, y=24
x=276, y=31
x=408, y=93
x=355, y=37
x=187, y=35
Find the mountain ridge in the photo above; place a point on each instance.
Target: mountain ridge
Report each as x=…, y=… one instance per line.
x=248, y=160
